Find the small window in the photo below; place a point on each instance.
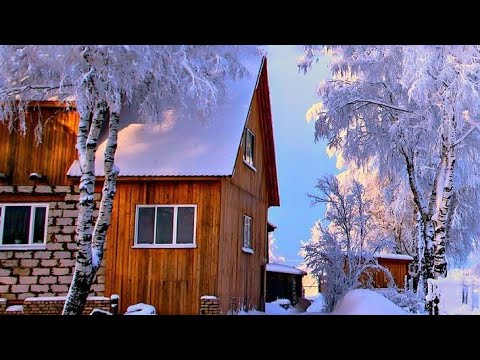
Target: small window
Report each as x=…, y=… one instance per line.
x=249, y=148
x=165, y=225
x=23, y=224
x=247, y=234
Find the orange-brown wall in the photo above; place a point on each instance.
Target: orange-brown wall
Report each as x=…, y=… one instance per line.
x=172, y=280
x=20, y=156
x=239, y=273
x=398, y=269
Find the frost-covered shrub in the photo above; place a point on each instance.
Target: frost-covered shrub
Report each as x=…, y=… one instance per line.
x=407, y=300
x=141, y=309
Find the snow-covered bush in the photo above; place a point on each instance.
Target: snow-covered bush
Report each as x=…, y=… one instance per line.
x=141, y=309
x=407, y=300
x=318, y=304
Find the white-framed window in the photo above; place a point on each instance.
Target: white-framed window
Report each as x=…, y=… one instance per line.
x=249, y=148
x=165, y=226
x=23, y=225
x=247, y=234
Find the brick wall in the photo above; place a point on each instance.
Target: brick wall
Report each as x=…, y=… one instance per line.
x=46, y=272
x=209, y=305
x=54, y=306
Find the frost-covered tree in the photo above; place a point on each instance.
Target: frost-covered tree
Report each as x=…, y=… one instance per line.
x=340, y=255
x=101, y=80
x=415, y=109
x=273, y=256
x=390, y=207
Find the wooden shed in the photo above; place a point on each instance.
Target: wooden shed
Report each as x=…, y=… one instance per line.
x=398, y=266
x=284, y=282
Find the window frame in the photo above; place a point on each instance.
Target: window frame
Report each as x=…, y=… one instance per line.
x=247, y=249
x=31, y=227
x=245, y=137
x=173, y=245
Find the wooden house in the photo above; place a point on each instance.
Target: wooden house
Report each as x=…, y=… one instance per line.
x=284, y=282
x=190, y=212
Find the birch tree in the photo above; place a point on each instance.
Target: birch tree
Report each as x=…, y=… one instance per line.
x=414, y=108
x=101, y=80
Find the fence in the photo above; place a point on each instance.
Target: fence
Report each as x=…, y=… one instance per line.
x=454, y=296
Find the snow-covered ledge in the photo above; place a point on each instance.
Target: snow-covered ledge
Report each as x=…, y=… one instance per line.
x=247, y=250
x=23, y=247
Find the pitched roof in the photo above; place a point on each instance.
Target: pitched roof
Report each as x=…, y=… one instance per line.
x=394, y=256
x=280, y=268
x=180, y=146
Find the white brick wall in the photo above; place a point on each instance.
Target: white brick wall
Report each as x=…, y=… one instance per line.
x=46, y=272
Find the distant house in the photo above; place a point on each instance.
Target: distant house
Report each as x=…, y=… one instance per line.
x=190, y=212
x=398, y=266
x=284, y=282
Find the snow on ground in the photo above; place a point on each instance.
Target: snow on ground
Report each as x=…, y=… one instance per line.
x=275, y=309
x=281, y=302
x=318, y=304
x=282, y=307
x=366, y=302
x=355, y=302
x=251, y=312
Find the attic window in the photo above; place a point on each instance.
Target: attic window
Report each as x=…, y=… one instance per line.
x=249, y=148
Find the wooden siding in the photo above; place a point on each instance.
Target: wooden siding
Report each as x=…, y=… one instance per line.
x=172, y=280
x=251, y=181
x=398, y=268
x=20, y=156
x=263, y=97
x=239, y=273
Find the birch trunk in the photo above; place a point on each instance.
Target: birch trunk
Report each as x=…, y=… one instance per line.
x=90, y=238
x=440, y=217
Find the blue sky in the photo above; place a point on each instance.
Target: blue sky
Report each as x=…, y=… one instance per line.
x=300, y=161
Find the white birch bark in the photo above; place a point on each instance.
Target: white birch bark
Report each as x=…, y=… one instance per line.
x=84, y=273
x=442, y=209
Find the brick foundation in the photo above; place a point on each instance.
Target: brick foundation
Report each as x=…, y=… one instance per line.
x=54, y=306
x=209, y=305
x=47, y=271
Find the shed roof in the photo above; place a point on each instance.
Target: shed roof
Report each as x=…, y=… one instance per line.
x=394, y=256
x=280, y=268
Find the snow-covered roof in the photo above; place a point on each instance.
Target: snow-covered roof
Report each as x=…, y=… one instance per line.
x=280, y=268
x=180, y=146
x=394, y=256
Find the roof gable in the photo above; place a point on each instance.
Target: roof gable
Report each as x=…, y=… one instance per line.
x=180, y=146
